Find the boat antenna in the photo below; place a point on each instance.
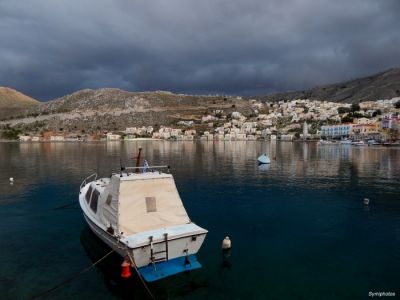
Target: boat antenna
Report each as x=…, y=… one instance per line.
x=138, y=160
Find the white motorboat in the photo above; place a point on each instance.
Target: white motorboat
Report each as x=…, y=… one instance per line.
x=264, y=159
x=360, y=144
x=373, y=143
x=140, y=215
x=391, y=144
x=325, y=142
x=346, y=142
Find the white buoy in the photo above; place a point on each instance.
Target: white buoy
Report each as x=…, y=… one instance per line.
x=366, y=201
x=226, y=243
x=11, y=179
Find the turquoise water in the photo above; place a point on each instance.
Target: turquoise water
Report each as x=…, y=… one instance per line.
x=299, y=228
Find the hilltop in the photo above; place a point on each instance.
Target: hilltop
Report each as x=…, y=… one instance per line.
x=114, y=109
x=13, y=102
x=384, y=85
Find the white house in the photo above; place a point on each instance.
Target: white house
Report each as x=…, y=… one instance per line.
x=24, y=138
x=57, y=138
x=112, y=137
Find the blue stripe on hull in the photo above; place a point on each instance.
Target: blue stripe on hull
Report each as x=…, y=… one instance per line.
x=168, y=268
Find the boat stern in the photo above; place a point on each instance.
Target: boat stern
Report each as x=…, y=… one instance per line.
x=167, y=251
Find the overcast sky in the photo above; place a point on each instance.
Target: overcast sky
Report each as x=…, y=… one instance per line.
x=49, y=48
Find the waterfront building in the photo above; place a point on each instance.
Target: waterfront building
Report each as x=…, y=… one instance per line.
x=176, y=133
x=112, y=137
x=390, y=122
x=24, y=138
x=131, y=130
x=190, y=132
x=286, y=137
x=390, y=127
x=336, y=131
x=156, y=135
x=365, y=131
x=57, y=138
x=227, y=137
x=241, y=137
x=165, y=135
x=219, y=137
x=187, y=137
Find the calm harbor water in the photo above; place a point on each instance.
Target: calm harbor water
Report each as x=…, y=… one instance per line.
x=299, y=228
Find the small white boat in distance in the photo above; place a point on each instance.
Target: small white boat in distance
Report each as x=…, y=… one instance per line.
x=140, y=215
x=326, y=142
x=346, y=142
x=264, y=159
x=360, y=144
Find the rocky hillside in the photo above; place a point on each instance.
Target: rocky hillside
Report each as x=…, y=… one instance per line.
x=385, y=85
x=13, y=102
x=115, y=109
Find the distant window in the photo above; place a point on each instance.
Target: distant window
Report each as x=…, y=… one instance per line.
x=151, y=204
x=109, y=198
x=88, y=193
x=93, y=202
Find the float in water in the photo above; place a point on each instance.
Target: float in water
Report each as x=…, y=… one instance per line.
x=264, y=159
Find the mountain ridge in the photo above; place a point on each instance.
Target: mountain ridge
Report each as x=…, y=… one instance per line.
x=13, y=102
x=115, y=109
x=382, y=85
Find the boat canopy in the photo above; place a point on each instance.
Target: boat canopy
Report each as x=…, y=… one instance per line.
x=147, y=202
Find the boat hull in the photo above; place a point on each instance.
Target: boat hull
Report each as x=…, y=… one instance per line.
x=177, y=247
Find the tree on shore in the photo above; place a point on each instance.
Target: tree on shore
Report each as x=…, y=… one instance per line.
x=343, y=110
x=347, y=119
x=376, y=113
x=355, y=107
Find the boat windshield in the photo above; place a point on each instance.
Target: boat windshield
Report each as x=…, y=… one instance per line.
x=88, y=194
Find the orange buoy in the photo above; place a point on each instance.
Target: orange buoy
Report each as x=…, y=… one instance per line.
x=126, y=269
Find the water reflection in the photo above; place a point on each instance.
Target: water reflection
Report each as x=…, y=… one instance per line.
x=264, y=167
x=110, y=267
x=304, y=212
x=32, y=163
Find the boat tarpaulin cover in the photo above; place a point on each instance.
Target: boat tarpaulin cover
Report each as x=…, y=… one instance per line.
x=151, y=203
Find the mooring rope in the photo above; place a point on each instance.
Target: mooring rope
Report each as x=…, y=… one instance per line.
x=132, y=259
x=70, y=278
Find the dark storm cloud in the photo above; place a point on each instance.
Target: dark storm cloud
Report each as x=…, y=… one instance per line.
x=50, y=48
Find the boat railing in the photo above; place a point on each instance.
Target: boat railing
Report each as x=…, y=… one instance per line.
x=86, y=180
x=147, y=168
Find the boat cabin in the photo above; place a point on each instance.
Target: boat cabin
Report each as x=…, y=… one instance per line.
x=129, y=203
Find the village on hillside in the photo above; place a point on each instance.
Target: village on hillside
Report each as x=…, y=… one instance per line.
x=284, y=120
